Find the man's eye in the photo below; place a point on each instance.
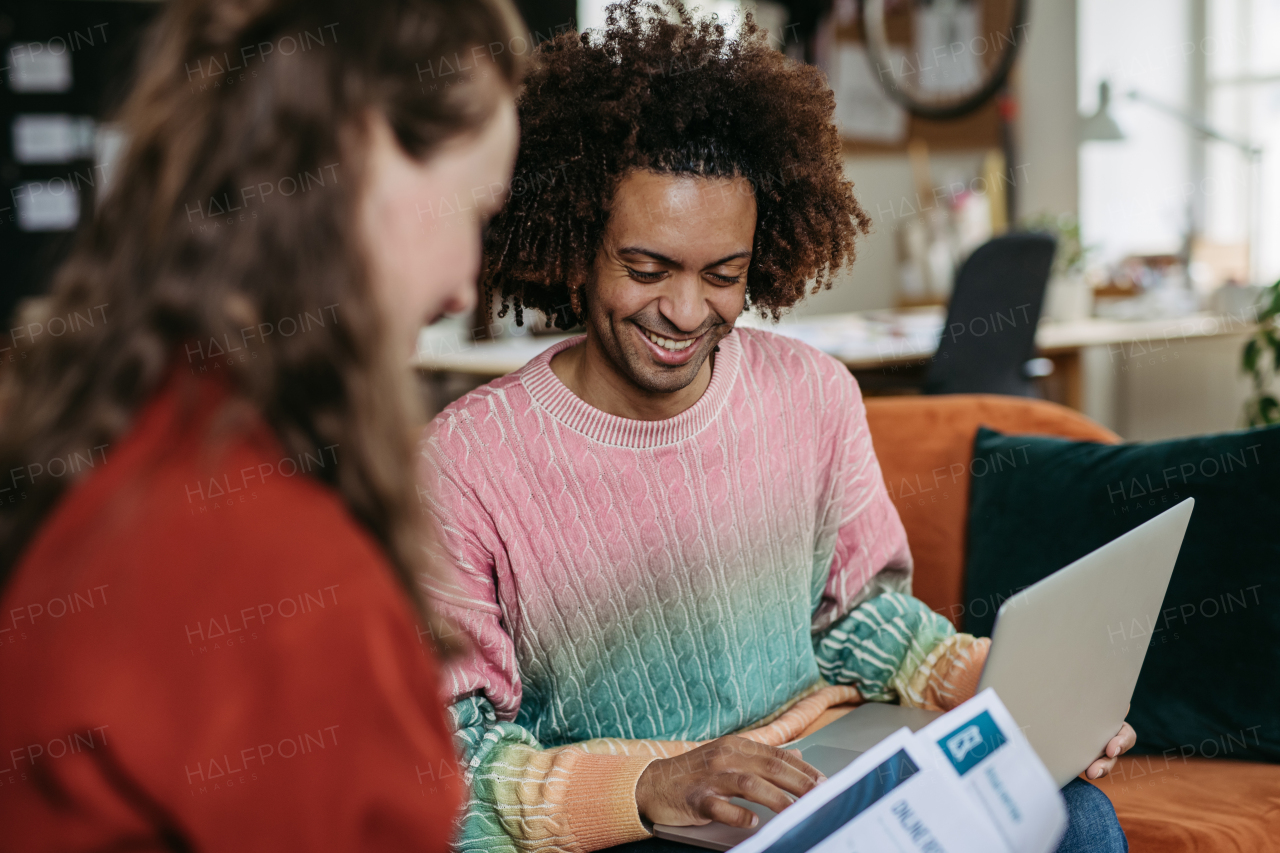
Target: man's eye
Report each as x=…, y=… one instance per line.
x=645, y=276
x=726, y=279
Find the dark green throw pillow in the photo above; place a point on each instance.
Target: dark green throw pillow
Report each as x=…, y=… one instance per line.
x=1210, y=685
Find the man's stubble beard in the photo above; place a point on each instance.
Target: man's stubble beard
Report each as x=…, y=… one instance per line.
x=637, y=365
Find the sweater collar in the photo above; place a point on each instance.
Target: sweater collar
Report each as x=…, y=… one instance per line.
x=571, y=411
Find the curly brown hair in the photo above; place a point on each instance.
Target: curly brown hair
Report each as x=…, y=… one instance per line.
x=659, y=89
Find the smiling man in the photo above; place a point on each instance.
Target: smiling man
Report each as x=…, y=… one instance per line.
x=674, y=547
x=669, y=282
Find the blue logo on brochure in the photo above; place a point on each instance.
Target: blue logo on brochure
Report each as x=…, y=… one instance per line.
x=972, y=742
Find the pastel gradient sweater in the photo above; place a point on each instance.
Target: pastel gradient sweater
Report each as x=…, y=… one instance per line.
x=633, y=588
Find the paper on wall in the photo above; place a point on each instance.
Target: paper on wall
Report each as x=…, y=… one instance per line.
x=947, y=47
x=863, y=110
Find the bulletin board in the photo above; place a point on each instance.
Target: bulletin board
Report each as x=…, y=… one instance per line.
x=977, y=130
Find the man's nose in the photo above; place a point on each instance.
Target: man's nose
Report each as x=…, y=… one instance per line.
x=683, y=303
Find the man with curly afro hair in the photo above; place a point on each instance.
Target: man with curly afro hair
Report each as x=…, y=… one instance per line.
x=674, y=547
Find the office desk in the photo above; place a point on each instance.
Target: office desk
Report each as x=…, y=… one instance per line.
x=870, y=343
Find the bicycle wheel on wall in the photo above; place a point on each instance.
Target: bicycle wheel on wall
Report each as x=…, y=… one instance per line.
x=963, y=52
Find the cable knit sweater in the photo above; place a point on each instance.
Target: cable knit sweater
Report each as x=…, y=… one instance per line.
x=633, y=588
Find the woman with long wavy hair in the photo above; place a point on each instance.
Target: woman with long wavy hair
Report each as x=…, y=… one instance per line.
x=210, y=635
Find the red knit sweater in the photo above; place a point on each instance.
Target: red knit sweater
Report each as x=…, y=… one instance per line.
x=200, y=649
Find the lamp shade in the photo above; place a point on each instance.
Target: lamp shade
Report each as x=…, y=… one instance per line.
x=1101, y=127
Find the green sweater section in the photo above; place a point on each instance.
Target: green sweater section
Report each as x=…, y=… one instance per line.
x=877, y=644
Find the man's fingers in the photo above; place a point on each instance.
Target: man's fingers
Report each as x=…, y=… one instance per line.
x=755, y=772
x=793, y=757
x=752, y=787
x=1115, y=747
x=1100, y=768
x=722, y=811
x=787, y=772
x=1122, y=742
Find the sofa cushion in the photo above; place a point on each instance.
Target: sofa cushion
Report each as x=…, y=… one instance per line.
x=1188, y=805
x=924, y=445
x=1208, y=687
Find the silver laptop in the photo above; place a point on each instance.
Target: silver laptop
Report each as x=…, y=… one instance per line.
x=1065, y=657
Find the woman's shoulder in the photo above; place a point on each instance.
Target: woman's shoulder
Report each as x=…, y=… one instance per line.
x=199, y=502
x=201, y=583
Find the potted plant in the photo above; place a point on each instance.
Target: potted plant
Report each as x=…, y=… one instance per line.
x=1260, y=358
x=1069, y=296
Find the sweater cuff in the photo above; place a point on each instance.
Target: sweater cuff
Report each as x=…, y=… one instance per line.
x=949, y=675
x=600, y=800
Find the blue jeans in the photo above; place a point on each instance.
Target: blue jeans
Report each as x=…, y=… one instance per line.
x=1092, y=827
x=1091, y=821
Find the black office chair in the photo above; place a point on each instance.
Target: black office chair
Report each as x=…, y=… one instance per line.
x=988, y=343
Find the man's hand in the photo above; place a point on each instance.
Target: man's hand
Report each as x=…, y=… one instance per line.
x=694, y=788
x=1116, y=747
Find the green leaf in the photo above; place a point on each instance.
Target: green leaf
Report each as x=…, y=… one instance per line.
x=1269, y=409
x=1250, y=358
x=1273, y=306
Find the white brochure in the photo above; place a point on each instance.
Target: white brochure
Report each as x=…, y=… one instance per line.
x=886, y=799
x=967, y=783
x=985, y=748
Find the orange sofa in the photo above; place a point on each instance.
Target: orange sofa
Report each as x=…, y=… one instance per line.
x=925, y=445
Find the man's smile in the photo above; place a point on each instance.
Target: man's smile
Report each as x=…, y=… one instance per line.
x=668, y=343
x=669, y=351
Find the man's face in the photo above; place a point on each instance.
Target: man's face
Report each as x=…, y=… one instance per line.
x=671, y=274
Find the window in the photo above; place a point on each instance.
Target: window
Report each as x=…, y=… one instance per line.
x=1165, y=186
x=1241, y=48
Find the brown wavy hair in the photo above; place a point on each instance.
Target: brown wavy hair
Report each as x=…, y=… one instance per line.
x=659, y=89
x=235, y=98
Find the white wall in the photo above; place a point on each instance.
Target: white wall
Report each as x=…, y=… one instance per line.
x=1046, y=127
